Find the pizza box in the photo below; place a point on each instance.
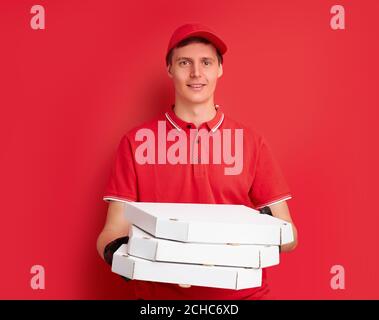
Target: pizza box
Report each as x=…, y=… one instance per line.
x=184, y=273
x=208, y=223
x=143, y=245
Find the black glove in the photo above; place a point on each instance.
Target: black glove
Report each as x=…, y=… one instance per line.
x=111, y=248
x=266, y=210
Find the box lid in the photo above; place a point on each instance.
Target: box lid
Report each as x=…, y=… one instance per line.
x=208, y=223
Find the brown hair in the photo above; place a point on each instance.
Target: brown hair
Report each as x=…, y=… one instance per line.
x=189, y=40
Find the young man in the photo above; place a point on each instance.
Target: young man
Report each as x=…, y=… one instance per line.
x=174, y=168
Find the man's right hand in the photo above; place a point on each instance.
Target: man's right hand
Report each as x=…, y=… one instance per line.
x=111, y=248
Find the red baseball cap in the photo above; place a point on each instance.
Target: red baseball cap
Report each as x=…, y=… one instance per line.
x=196, y=30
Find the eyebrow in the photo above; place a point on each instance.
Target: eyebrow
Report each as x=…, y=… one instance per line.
x=187, y=58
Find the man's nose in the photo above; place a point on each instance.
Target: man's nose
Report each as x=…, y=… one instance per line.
x=196, y=70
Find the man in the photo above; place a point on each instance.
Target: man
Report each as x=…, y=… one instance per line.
x=194, y=62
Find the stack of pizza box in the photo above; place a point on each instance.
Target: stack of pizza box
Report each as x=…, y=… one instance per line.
x=213, y=245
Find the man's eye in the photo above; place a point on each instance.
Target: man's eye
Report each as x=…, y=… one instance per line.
x=184, y=62
x=207, y=63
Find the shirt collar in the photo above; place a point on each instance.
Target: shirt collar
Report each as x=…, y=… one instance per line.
x=180, y=124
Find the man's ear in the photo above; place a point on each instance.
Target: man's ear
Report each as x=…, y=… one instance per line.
x=220, y=71
x=169, y=70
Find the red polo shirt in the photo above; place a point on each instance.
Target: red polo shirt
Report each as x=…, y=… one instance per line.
x=151, y=167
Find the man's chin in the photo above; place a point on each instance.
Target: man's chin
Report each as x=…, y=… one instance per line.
x=197, y=99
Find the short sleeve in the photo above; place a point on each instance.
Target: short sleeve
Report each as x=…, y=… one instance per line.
x=122, y=183
x=269, y=185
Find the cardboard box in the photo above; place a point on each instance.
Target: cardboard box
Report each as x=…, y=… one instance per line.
x=180, y=273
x=208, y=223
x=146, y=246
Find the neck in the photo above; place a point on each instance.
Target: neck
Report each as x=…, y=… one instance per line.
x=197, y=113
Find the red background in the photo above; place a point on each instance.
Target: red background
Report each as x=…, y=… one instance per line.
x=69, y=92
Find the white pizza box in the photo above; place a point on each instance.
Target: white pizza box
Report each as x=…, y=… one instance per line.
x=143, y=245
x=183, y=273
x=208, y=223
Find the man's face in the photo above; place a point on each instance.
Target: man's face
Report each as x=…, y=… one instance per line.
x=194, y=70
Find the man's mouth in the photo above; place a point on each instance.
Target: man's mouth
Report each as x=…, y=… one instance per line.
x=196, y=86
